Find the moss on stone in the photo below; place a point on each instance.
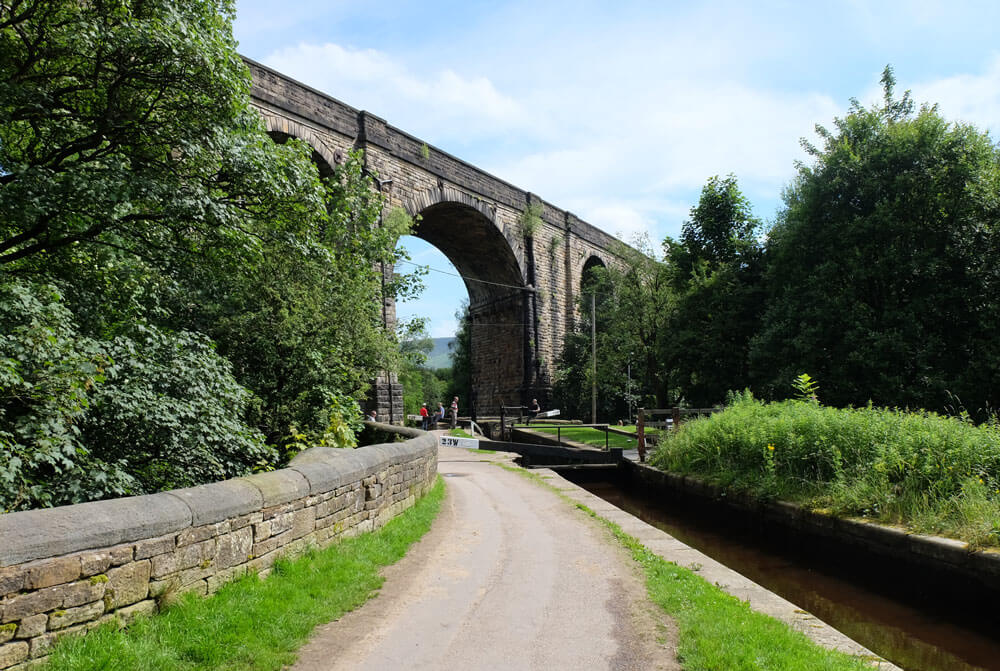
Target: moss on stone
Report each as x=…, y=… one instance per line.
x=99, y=578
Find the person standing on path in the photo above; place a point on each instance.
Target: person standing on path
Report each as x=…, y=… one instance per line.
x=533, y=410
x=423, y=417
x=454, y=412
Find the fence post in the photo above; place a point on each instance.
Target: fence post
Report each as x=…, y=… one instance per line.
x=640, y=434
x=503, y=421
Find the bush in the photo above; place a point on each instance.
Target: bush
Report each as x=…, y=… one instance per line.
x=83, y=419
x=932, y=473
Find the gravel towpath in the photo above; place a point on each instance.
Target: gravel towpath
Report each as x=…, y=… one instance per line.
x=510, y=577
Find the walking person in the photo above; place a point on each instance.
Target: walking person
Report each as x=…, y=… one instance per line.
x=454, y=412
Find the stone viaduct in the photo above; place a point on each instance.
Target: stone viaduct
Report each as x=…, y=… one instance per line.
x=523, y=281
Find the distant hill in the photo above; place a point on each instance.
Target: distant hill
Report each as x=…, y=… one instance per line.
x=439, y=357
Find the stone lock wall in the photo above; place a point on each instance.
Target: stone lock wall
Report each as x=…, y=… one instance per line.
x=70, y=569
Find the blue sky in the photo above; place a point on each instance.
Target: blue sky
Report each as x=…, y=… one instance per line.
x=619, y=112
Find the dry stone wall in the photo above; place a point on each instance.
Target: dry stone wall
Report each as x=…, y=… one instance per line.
x=70, y=569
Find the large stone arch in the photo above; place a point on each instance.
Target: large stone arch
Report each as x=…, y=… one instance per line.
x=491, y=263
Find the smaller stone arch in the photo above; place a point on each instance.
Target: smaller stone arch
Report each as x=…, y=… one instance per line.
x=282, y=128
x=590, y=261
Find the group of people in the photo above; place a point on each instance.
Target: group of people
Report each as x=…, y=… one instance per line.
x=426, y=418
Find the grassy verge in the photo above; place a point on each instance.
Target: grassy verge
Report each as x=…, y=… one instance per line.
x=718, y=631
x=252, y=624
x=929, y=473
x=588, y=436
x=715, y=629
x=460, y=433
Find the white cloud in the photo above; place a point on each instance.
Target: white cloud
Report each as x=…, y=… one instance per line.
x=971, y=98
x=442, y=102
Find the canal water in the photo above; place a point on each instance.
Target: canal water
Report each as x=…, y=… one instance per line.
x=917, y=620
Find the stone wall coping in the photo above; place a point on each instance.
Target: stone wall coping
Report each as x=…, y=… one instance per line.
x=50, y=532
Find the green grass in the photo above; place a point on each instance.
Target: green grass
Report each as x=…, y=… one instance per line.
x=929, y=473
x=588, y=436
x=253, y=624
x=460, y=433
x=717, y=631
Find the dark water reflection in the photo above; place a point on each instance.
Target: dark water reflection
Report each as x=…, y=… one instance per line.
x=913, y=619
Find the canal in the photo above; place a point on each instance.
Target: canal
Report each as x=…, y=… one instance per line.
x=917, y=620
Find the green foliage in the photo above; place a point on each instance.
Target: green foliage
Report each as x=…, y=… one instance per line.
x=716, y=273
x=48, y=372
x=935, y=474
x=806, y=388
x=176, y=284
x=882, y=268
x=115, y=123
x=530, y=220
x=170, y=413
x=253, y=624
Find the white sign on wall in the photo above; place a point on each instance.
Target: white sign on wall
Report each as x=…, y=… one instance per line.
x=452, y=441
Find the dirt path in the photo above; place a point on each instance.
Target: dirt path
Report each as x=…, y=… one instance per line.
x=510, y=577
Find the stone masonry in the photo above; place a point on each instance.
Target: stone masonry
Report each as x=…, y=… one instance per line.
x=523, y=289
x=70, y=569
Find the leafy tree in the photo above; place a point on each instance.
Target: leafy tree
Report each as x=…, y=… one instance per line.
x=121, y=124
x=883, y=266
x=716, y=274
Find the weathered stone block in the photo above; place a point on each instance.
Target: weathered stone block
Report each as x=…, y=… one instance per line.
x=60, y=619
x=13, y=653
x=303, y=522
x=11, y=580
x=32, y=603
x=92, y=563
x=82, y=592
x=51, y=572
x=155, y=546
x=7, y=632
x=202, y=533
x=278, y=487
x=282, y=523
x=246, y=520
x=122, y=554
x=183, y=558
x=233, y=548
x=30, y=627
x=220, y=501
x=128, y=584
